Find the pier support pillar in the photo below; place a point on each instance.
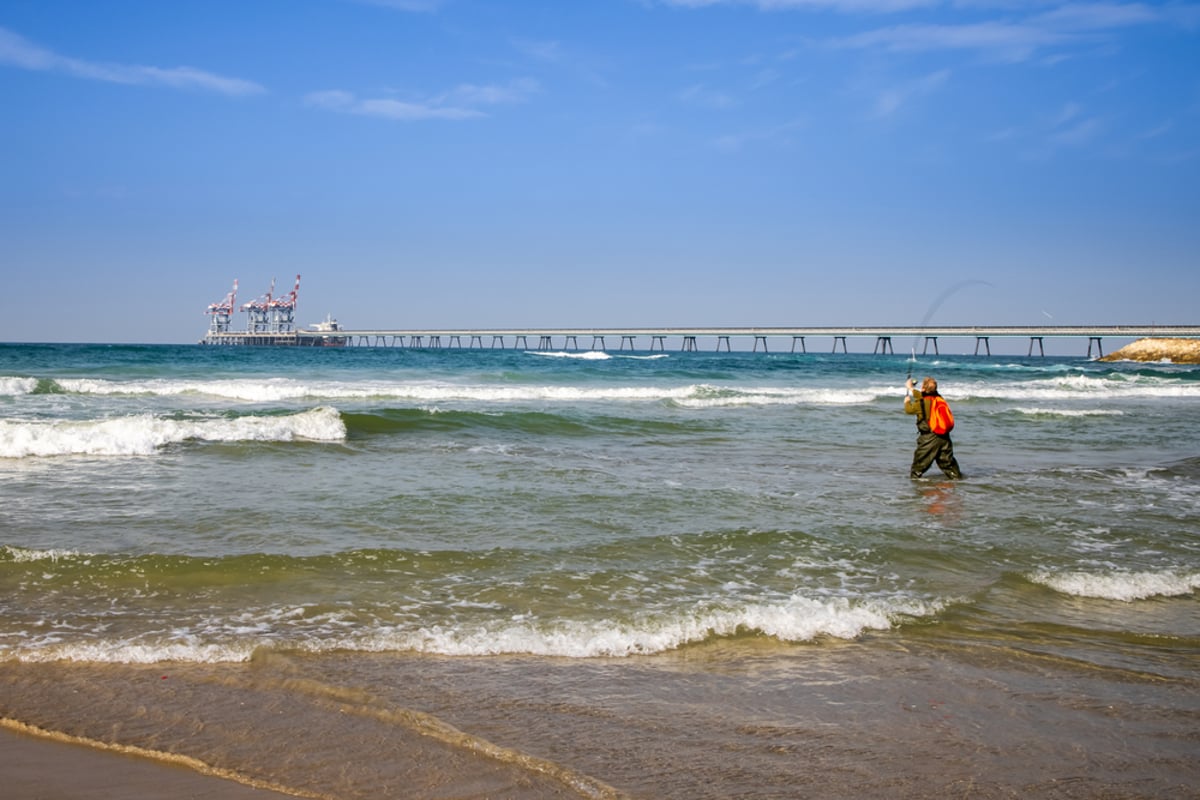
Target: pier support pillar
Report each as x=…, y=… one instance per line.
x=689, y=344
x=629, y=339
x=521, y=342
x=802, y=348
x=1099, y=351
x=925, y=349
x=435, y=342
x=660, y=340
x=497, y=340
x=364, y=341
x=476, y=339
x=1038, y=339
x=416, y=342
x=545, y=344
x=841, y=339
x=571, y=342
x=758, y=339
x=600, y=339
x=456, y=341
x=725, y=341
x=883, y=344
x=986, y=344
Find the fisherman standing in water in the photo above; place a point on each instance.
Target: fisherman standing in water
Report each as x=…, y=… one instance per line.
x=934, y=423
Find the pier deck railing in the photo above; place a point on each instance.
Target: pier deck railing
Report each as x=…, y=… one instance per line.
x=603, y=338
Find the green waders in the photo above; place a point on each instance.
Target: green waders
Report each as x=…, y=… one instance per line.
x=934, y=447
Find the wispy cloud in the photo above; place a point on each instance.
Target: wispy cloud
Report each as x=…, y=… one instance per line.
x=704, y=97
x=1072, y=127
x=891, y=100
x=539, y=50
x=1096, y=16
x=461, y=103
x=1012, y=37
x=848, y=6
x=419, y=6
x=780, y=135
x=1010, y=41
x=19, y=52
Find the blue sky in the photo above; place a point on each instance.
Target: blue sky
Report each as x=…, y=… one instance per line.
x=449, y=163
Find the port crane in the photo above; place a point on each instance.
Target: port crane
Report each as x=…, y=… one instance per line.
x=221, y=313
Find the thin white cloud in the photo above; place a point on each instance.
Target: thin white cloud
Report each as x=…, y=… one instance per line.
x=1157, y=131
x=780, y=135
x=388, y=108
x=517, y=91
x=418, y=6
x=539, y=50
x=847, y=6
x=1010, y=41
x=704, y=97
x=1079, y=132
x=1069, y=112
x=891, y=100
x=1096, y=16
x=19, y=52
x=461, y=103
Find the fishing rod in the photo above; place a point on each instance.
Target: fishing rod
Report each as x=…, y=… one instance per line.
x=933, y=307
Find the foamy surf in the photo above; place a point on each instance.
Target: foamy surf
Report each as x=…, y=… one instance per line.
x=145, y=434
x=10, y=386
x=1118, y=585
x=582, y=355
x=798, y=619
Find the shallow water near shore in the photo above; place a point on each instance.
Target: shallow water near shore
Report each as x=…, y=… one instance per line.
x=370, y=573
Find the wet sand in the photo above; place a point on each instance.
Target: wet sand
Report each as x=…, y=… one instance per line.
x=265, y=724
x=900, y=717
x=40, y=768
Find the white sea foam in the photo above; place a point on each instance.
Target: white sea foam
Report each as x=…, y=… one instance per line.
x=799, y=619
x=1117, y=585
x=704, y=396
x=235, y=639
x=1071, y=412
x=23, y=555
x=584, y=355
x=276, y=390
x=144, y=434
x=14, y=386
x=1077, y=387
x=122, y=652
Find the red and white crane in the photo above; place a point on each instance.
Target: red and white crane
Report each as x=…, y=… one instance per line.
x=283, y=310
x=259, y=310
x=222, y=312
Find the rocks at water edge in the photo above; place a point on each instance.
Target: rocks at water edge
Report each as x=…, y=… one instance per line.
x=1175, y=351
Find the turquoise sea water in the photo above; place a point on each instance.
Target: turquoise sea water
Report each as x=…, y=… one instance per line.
x=207, y=506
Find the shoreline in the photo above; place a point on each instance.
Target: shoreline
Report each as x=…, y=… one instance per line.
x=905, y=716
x=43, y=764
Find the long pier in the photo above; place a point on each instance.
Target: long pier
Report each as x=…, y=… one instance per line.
x=656, y=338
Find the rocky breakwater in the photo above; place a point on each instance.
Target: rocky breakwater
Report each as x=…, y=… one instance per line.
x=1176, y=351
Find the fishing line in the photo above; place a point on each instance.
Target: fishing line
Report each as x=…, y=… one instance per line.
x=933, y=307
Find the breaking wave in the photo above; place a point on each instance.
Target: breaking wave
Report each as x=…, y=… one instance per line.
x=798, y=619
x=13, y=386
x=1117, y=585
x=145, y=434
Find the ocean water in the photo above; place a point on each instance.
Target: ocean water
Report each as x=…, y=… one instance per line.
x=605, y=574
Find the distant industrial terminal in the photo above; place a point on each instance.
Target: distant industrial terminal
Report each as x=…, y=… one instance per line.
x=271, y=322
